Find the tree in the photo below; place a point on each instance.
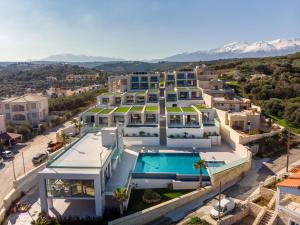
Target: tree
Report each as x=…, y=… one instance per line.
x=120, y=196
x=200, y=164
x=274, y=106
x=77, y=124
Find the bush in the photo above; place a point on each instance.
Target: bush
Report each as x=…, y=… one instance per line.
x=195, y=220
x=151, y=196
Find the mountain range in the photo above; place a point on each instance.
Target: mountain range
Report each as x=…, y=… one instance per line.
x=232, y=50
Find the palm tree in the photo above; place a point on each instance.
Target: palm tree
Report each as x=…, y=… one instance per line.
x=120, y=196
x=77, y=124
x=200, y=164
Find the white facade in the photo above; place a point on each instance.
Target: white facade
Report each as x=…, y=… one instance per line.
x=29, y=108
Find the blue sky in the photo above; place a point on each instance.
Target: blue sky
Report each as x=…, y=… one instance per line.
x=139, y=29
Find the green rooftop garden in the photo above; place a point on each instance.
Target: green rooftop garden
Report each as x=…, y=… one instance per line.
x=95, y=110
x=137, y=108
x=122, y=109
x=106, y=111
x=108, y=93
x=151, y=109
x=171, y=91
x=173, y=109
x=202, y=106
x=188, y=109
x=153, y=91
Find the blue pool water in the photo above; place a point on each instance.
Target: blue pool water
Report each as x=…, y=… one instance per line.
x=179, y=163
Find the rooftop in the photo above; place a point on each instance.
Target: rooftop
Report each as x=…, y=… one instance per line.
x=188, y=109
x=122, y=110
x=151, y=109
x=25, y=98
x=95, y=110
x=106, y=111
x=136, y=108
x=85, y=153
x=173, y=109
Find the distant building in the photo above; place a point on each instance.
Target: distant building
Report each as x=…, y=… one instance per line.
x=2, y=124
x=82, y=77
x=31, y=108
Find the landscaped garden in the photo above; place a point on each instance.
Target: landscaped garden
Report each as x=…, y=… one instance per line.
x=136, y=202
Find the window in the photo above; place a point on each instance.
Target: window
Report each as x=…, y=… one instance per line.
x=34, y=115
x=154, y=79
x=70, y=188
x=7, y=116
x=19, y=117
x=291, y=222
x=144, y=79
x=171, y=97
x=144, y=86
x=105, y=100
x=191, y=76
x=6, y=106
x=18, y=108
x=180, y=76
x=170, y=77
x=181, y=83
x=135, y=86
x=135, y=79
x=33, y=106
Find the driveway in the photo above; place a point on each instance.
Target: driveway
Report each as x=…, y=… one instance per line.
x=29, y=149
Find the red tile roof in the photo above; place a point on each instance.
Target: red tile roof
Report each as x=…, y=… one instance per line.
x=293, y=181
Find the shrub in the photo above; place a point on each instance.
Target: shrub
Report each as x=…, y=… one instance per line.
x=142, y=133
x=151, y=196
x=195, y=220
x=155, y=135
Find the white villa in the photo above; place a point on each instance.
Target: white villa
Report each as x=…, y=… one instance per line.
x=145, y=135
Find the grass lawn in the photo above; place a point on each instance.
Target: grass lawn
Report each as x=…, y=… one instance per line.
x=283, y=123
x=95, y=110
x=151, y=109
x=136, y=203
x=188, y=109
x=137, y=108
x=122, y=109
x=201, y=107
x=106, y=111
x=173, y=109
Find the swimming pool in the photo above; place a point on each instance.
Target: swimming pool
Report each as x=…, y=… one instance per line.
x=176, y=163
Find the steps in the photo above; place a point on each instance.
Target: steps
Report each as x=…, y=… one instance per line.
x=267, y=218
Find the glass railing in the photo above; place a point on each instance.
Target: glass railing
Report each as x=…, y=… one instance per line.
x=216, y=170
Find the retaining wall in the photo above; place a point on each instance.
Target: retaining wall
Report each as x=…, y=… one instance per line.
x=149, y=141
x=155, y=212
x=189, y=143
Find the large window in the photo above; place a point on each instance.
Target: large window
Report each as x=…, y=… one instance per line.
x=61, y=188
x=144, y=86
x=134, y=79
x=144, y=79
x=180, y=76
x=181, y=83
x=135, y=86
x=18, y=108
x=170, y=77
x=191, y=76
x=154, y=79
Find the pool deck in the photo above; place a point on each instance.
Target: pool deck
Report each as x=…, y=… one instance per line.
x=221, y=152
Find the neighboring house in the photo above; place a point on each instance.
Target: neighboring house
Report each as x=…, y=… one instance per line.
x=288, y=199
x=82, y=77
x=30, y=108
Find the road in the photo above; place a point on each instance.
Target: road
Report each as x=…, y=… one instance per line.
x=29, y=149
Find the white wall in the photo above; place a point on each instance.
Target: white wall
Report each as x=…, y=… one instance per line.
x=149, y=141
x=136, y=130
x=187, y=185
x=151, y=183
x=189, y=143
x=198, y=132
x=2, y=124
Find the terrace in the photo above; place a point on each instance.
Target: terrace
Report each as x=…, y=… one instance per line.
x=95, y=110
x=122, y=110
x=135, y=115
x=151, y=114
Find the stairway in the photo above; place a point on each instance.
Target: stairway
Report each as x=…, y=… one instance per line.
x=266, y=218
x=162, y=118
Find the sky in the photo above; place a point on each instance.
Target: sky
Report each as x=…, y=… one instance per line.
x=138, y=29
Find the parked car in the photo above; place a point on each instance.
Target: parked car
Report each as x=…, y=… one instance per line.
x=1, y=160
x=39, y=158
x=226, y=206
x=7, y=154
x=53, y=146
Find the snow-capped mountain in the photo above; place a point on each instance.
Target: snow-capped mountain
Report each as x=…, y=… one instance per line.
x=241, y=50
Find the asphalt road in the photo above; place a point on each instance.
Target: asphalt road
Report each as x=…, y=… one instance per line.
x=29, y=149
